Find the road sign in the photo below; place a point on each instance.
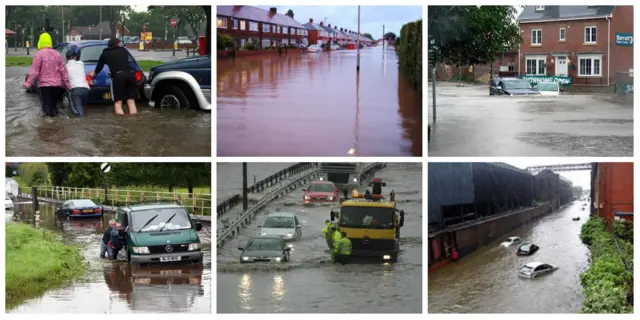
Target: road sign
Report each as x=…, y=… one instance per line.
x=624, y=39
x=105, y=167
x=173, y=22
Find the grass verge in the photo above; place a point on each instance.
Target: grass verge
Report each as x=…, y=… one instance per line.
x=607, y=285
x=36, y=262
x=12, y=61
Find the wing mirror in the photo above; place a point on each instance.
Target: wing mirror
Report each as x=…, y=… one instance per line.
x=241, y=248
x=198, y=226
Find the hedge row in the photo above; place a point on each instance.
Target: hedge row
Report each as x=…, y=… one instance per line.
x=224, y=41
x=410, y=53
x=606, y=283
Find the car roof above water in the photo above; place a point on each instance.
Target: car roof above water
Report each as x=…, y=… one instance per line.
x=533, y=264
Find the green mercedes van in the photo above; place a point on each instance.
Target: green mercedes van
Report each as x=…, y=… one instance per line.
x=160, y=233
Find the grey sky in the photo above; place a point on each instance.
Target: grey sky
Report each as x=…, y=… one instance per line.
x=371, y=17
x=579, y=178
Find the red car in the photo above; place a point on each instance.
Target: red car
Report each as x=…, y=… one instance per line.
x=321, y=191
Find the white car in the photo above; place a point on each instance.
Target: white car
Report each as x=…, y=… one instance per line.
x=335, y=47
x=511, y=241
x=549, y=88
x=535, y=269
x=183, y=40
x=281, y=224
x=314, y=48
x=8, y=203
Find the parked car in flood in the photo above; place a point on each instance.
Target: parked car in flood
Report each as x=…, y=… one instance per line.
x=527, y=249
x=282, y=224
x=511, y=241
x=533, y=270
x=511, y=87
x=314, y=48
x=549, y=88
x=265, y=249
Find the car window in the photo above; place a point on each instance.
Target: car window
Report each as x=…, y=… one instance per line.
x=516, y=84
x=525, y=247
x=266, y=244
x=541, y=267
x=547, y=86
x=92, y=53
x=178, y=216
x=278, y=222
x=367, y=217
x=65, y=205
x=525, y=269
x=84, y=203
x=321, y=187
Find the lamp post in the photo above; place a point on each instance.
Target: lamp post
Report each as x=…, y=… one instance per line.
x=358, y=42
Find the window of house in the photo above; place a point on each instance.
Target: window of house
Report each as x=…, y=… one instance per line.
x=242, y=42
x=536, y=66
x=590, y=34
x=222, y=22
x=589, y=65
x=536, y=36
x=539, y=8
x=512, y=68
x=563, y=34
x=266, y=43
x=253, y=26
x=266, y=27
x=235, y=24
x=243, y=25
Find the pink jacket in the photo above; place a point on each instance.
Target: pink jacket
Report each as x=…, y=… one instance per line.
x=50, y=70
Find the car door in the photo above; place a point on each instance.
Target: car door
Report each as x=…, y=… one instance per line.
x=65, y=207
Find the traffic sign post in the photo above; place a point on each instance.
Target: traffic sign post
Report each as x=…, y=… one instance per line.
x=105, y=167
x=175, y=44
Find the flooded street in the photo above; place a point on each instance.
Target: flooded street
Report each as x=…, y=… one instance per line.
x=310, y=283
x=486, y=281
x=314, y=104
x=114, y=286
x=472, y=123
x=231, y=174
x=153, y=132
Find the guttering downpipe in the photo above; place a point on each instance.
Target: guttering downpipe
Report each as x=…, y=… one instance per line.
x=519, y=46
x=609, y=50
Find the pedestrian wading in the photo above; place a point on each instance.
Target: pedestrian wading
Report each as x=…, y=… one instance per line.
x=410, y=53
x=37, y=261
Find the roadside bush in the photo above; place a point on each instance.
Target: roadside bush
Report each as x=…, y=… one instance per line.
x=34, y=174
x=410, y=53
x=224, y=41
x=590, y=229
x=623, y=230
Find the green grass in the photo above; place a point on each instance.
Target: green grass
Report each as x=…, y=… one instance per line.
x=36, y=262
x=12, y=61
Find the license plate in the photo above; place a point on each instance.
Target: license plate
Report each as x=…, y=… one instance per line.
x=87, y=211
x=171, y=272
x=107, y=96
x=168, y=259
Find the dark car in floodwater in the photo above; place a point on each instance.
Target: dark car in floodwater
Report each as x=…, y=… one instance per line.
x=160, y=233
x=80, y=208
x=511, y=87
x=265, y=249
x=527, y=249
x=184, y=83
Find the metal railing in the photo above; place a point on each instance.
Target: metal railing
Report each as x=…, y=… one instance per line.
x=267, y=182
x=197, y=203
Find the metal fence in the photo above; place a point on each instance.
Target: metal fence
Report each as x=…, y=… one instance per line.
x=196, y=203
x=624, y=83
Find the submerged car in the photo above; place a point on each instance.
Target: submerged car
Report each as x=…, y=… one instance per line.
x=576, y=219
x=80, y=208
x=535, y=269
x=511, y=241
x=160, y=233
x=549, y=88
x=282, y=224
x=90, y=51
x=265, y=249
x=321, y=191
x=511, y=87
x=527, y=249
x=314, y=48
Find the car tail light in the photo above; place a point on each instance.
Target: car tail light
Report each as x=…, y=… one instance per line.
x=97, y=210
x=76, y=211
x=89, y=80
x=138, y=75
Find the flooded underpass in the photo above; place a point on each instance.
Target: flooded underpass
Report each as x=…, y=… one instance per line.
x=486, y=280
x=152, y=132
x=310, y=283
x=471, y=123
x=114, y=286
x=315, y=104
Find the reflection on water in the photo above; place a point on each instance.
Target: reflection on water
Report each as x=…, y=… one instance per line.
x=115, y=286
x=310, y=105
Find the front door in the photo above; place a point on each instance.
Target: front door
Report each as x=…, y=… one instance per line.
x=562, y=69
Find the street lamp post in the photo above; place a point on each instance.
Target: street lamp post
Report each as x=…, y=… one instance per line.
x=358, y=42
x=62, y=16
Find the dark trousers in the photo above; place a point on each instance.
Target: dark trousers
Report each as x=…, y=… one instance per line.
x=49, y=97
x=79, y=98
x=342, y=259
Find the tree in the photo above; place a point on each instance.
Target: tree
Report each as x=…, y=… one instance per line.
x=59, y=172
x=368, y=35
x=115, y=14
x=289, y=13
x=390, y=35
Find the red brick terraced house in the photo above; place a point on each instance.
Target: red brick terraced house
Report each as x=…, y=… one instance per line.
x=266, y=28
x=591, y=44
x=317, y=34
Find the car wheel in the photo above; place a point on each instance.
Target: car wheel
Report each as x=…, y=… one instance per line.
x=172, y=97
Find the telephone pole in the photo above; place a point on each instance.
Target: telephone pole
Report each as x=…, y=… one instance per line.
x=358, y=42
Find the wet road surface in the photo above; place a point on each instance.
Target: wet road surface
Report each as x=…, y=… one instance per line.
x=315, y=105
x=310, y=283
x=153, y=132
x=486, y=281
x=471, y=123
x=114, y=286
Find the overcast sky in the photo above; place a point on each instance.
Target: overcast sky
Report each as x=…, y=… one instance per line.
x=371, y=17
x=579, y=178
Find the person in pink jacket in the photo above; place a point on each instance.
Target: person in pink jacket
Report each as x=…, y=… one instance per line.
x=51, y=73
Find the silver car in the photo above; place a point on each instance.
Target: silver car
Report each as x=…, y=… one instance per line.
x=282, y=224
x=535, y=269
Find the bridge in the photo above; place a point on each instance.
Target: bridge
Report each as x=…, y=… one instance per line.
x=560, y=168
x=231, y=219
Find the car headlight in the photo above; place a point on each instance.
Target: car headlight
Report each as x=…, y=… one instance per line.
x=307, y=198
x=194, y=246
x=263, y=233
x=330, y=198
x=245, y=258
x=355, y=179
x=278, y=259
x=141, y=250
x=289, y=235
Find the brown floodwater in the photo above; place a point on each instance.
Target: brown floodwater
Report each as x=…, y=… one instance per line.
x=316, y=104
x=114, y=286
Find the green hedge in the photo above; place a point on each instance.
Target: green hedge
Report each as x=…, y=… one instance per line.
x=606, y=283
x=224, y=41
x=410, y=53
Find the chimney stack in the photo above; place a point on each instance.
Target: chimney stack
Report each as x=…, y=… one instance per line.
x=310, y=20
x=329, y=25
x=340, y=29
x=273, y=10
x=321, y=23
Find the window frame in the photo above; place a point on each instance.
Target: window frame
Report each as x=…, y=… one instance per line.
x=225, y=22
x=592, y=34
x=539, y=38
x=537, y=65
x=243, y=25
x=592, y=58
x=266, y=26
x=253, y=23
x=236, y=24
x=560, y=35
